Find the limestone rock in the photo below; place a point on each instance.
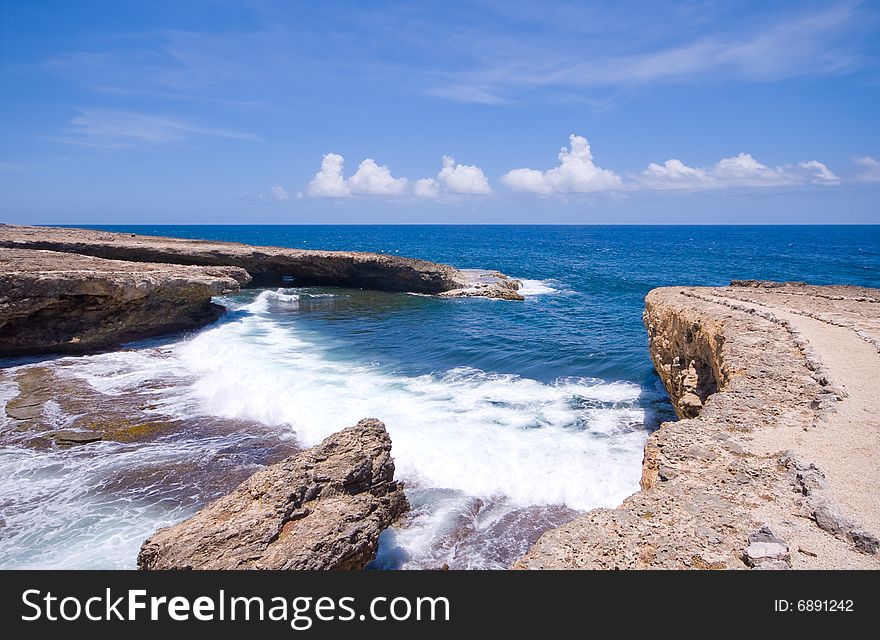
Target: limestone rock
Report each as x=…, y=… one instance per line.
x=323, y=508
x=766, y=550
x=270, y=266
x=744, y=386
x=58, y=302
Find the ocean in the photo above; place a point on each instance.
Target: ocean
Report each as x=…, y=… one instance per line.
x=507, y=418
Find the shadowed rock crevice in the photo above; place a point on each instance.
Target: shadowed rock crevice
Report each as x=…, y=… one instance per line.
x=686, y=353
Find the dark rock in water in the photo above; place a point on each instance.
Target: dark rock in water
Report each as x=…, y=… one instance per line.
x=322, y=508
x=60, y=302
x=24, y=408
x=77, y=437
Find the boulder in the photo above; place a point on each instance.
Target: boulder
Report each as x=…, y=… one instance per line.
x=53, y=302
x=322, y=508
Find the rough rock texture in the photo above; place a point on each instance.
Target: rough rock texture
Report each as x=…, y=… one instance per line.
x=774, y=462
x=58, y=302
x=269, y=265
x=486, y=284
x=323, y=508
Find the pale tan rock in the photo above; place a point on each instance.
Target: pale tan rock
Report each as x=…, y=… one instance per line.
x=271, y=266
x=773, y=444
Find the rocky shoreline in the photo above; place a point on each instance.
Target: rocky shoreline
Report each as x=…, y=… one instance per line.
x=76, y=290
x=68, y=303
x=773, y=463
x=271, y=266
x=322, y=508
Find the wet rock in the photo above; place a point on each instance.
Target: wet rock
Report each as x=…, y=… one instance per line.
x=24, y=408
x=77, y=437
x=323, y=508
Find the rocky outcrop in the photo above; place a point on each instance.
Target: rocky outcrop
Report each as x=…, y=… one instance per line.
x=685, y=347
x=270, y=266
x=323, y=508
x=478, y=283
x=773, y=464
x=58, y=302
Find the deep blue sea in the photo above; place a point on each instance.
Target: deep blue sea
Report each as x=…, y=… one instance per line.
x=507, y=418
x=591, y=324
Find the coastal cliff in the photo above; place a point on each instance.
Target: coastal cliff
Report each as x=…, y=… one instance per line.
x=63, y=303
x=322, y=508
x=272, y=266
x=78, y=290
x=773, y=464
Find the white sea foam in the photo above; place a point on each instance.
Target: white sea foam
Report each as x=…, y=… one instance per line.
x=484, y=434
x=575, y=442
x=469, y=434
x=61, y=509
x=535, y=287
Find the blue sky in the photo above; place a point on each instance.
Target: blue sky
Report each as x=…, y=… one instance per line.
x=287, y=112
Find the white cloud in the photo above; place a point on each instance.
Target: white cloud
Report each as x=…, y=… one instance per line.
x=576, y=173
x=279, y=193
x=736, y=171
x=871, y=172
x=675, y=174
x=426, y=188
x=375, y=180
x=329, y=182
x=527, y=180
x=119, y=129
x=821, y=174
x=463, y=178
x=591, y=48
x=744, y=171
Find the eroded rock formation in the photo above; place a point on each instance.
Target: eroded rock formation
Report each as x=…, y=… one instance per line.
x=59, y=302
x=270, y=266
x=774, y=462
x=323, y=508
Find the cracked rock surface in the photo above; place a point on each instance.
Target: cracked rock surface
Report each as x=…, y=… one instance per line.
x=63, y=303
x=322, y=508
x=774, y=461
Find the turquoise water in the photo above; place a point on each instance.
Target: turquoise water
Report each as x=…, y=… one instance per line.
x=507, y=418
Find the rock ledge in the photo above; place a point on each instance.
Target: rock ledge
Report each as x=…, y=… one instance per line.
x=774, y=462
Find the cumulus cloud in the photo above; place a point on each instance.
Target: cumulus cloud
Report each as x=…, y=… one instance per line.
x=736, y=171
x=329, y=182
x=375, y=180
x=426, y=188
x=463, y=178
x=820, y=173
x=870, y=169
x=576, y=173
